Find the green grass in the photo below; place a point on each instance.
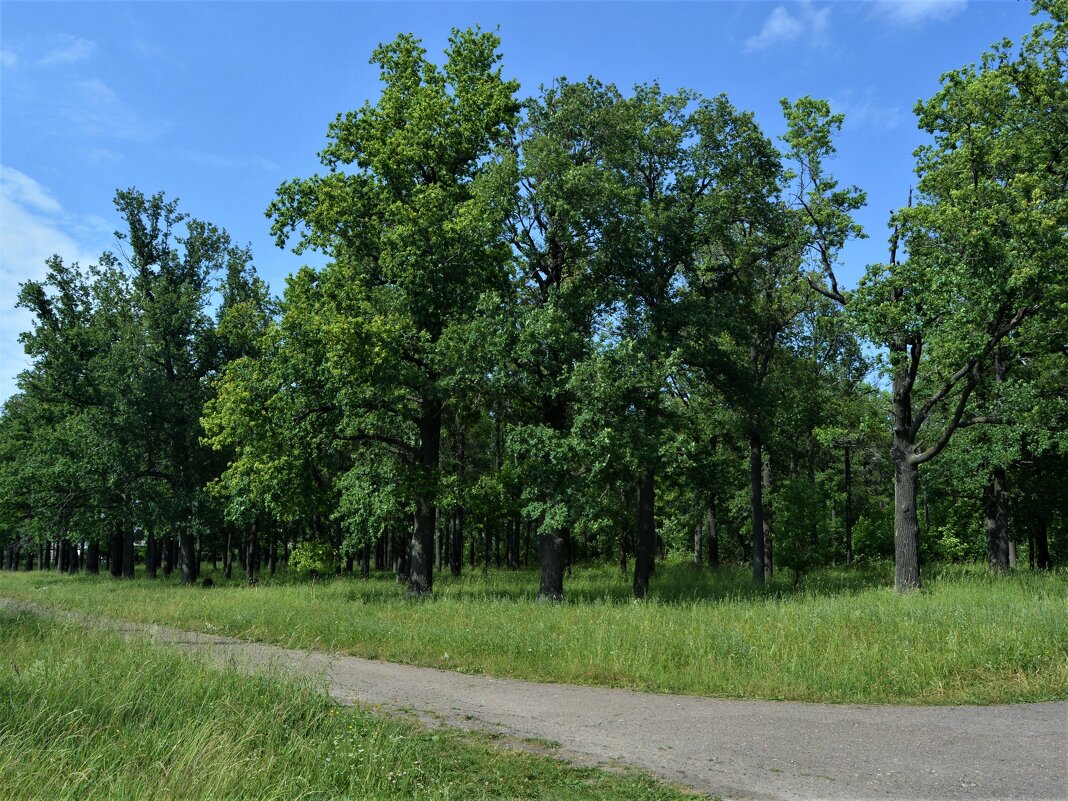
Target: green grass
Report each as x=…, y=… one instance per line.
x=85, y=715
x=844, y=636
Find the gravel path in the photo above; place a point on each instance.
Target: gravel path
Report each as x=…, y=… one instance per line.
x=733, y=749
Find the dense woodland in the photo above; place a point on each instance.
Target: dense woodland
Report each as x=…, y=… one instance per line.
x=592, y=324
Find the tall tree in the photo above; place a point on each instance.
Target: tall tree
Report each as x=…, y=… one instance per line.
x=986, y=240
x=410, y=217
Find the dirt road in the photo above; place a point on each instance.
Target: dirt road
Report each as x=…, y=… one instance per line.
x=733, y=749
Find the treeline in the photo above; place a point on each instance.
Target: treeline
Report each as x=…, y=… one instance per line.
x=586, y=325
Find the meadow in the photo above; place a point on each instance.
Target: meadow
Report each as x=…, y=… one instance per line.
x=87, y=715
x=842, y=636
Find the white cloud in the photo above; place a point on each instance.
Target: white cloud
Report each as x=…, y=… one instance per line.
x=917, y=12
x=804, y=23
x=8, y=59
x=67, y=50
x=33, y=227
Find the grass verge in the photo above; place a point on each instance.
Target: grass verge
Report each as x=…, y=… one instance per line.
x=86, y=715
x=843, y=637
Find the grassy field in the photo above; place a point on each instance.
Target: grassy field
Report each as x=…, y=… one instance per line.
x=85, y=715
x=844, y=636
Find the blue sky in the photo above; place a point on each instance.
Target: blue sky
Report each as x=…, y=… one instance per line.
x=218, y=103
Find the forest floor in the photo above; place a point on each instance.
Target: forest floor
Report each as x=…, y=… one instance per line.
x=735, y=749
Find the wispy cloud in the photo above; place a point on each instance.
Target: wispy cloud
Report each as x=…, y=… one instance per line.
x=8, y=59
x=864, y=110
x=230, y=162
x=97, y=110
x=917, y=12
x=66, y=49
x=801, y=22
x=33, y=227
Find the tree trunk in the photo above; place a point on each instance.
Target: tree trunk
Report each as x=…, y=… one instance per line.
x=765, y=497
x=551, y=552
x=645, y=541
x=187, y=555
x=47, y=563
x=906, y=479
x=228, y=554
x=421, y=552
x=1042, y=557
x=127, y=554
x=250, y=552
x=906, y=524
x=848, y=471
x=72, y=557
x=365, y=560
x=995, y=520
x=624, y=545
x=92, y=558
x=272, y=553
x=456, y=541
x=698, y=535
x=713, y=534
x=756, y=503
x=150, y=555
x=115, y=551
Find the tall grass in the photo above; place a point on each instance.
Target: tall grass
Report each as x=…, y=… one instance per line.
x=85, y=715
x=842, y=636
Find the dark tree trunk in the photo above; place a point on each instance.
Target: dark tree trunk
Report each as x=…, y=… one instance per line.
x=61, y=555
x=497, y=544
x=713, y=534
x=624, y=546
x=439, y=537
x=1041, y=535
x=150, y=555
x=92, y=557
x=350, y=563
x=996, y=520
x=456, y=541
x=756, y=502
x=167, y=558
x=513, y=542
x=47, y=563
x=698, y=535
x=339, y=539
x=187, y=555
x=380, y=552
x=399, y=549
x=228, y=554
x=848, y=477
x=127, y=554
x=250, y=551
x=41, y=556
x=421, y=551
x=765, y=498
x=272, y=553
x=646, y=533
x=115, y=551
x=365, y=561
x=73, y=562
x=29, y=558
x=551, y=546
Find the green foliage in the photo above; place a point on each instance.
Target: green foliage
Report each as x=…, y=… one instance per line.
x=315, y=557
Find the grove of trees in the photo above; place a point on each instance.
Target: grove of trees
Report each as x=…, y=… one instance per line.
x=593, y=324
